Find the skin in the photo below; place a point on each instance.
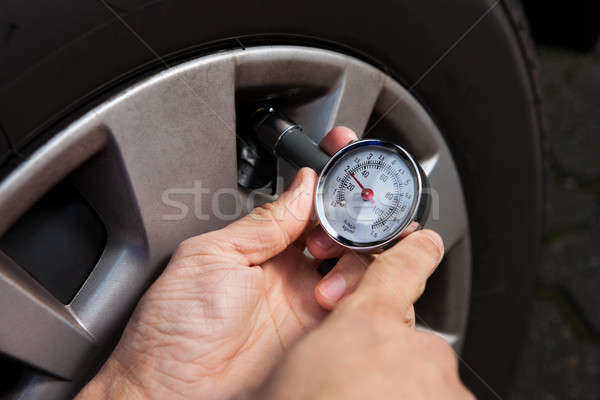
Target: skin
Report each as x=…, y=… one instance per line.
x=234, y=303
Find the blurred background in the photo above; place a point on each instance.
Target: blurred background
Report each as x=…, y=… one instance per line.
x=560, y=357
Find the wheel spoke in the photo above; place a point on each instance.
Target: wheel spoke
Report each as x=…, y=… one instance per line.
x=174, y=178
x=36, y=328
x=360, y=89
x=187, y=153
x=448, y=214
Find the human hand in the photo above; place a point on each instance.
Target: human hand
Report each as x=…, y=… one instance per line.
x=364, y=349
x=230, y=303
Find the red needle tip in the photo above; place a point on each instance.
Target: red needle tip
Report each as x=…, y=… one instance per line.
x=367, y=194
x=353, y=177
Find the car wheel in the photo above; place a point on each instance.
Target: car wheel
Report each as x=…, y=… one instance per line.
x=114, y=113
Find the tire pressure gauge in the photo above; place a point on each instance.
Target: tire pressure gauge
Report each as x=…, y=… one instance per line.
x=369, y=194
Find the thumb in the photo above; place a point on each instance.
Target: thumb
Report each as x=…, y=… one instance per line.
x=266, y=231
x=397, y=277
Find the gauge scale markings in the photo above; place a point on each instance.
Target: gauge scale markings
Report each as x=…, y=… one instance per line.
x=385, y=189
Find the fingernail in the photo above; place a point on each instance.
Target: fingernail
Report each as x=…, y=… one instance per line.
x=333, y=287
x=296, y=182
x=322, y=240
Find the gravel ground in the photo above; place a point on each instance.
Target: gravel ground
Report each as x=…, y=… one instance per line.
x=560, y=358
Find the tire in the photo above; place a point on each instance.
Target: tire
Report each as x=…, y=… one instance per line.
x=58, y=60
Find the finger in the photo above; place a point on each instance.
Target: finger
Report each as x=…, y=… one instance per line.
x=301, y=242
x=265, y=232
x=397, y=277
x=337, y=138
x=322, y=246
x=341, y=280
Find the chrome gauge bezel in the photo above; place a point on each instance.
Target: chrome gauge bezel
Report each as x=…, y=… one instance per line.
x=374, y=246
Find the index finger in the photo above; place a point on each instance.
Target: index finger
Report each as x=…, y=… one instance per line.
x=337, y=138
x=397, y=277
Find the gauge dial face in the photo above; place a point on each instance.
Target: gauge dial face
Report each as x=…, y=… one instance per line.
x=367, y=195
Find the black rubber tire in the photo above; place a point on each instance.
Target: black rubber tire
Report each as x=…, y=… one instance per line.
x=59, y=58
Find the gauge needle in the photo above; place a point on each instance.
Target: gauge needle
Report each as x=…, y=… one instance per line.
x=367, y=194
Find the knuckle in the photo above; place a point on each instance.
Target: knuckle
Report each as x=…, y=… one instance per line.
x=439, y=350
x=188, y=245
x=360, y=303
x=353, y=313
x=370, y=307
x=272, y=214
x=195, y=249
x=265, y=212
x=184, y=245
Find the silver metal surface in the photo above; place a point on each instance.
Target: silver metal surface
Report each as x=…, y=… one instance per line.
x=20, y=190
x=271, y=127
x=40, y=330
x=163, y=138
